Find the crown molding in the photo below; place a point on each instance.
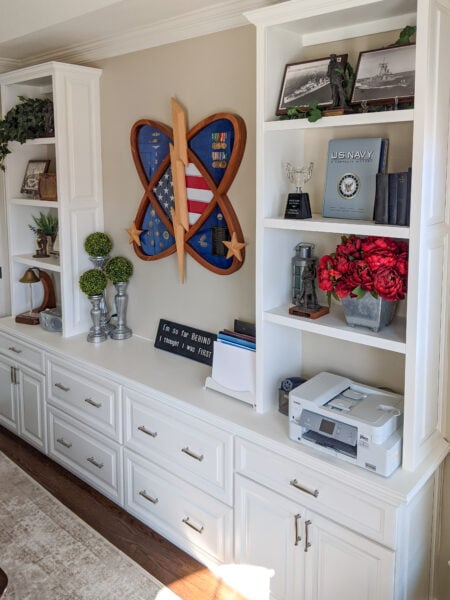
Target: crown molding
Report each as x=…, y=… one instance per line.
x=226, y=15
x=9, y=64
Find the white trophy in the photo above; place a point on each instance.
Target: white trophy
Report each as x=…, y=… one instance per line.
x=298, y=206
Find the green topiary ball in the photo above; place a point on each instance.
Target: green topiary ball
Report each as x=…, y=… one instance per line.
x=92, y=282
x=118, y=269
x=98, y=244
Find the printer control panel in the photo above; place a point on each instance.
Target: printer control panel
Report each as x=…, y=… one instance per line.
x=348, y=434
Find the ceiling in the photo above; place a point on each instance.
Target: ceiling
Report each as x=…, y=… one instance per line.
x=86, y=30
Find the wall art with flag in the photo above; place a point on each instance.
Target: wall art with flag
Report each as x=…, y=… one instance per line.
x=213, y=152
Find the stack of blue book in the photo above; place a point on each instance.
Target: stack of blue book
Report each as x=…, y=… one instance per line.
x=393, y=198
x=240, y=340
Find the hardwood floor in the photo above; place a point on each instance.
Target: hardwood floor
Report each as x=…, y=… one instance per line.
x=174, y=568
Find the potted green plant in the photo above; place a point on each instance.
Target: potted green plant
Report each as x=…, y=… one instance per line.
x=31, y=118
x=45, y=229
x=45, y=223
x=93, y=283
x=98, y=244
x=119, y=270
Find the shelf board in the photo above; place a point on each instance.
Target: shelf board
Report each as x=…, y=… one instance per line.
x=49, y=264
x=34, y=202
x=341, y=226
x=39, y=141
x=373, y=118
x=392, y=338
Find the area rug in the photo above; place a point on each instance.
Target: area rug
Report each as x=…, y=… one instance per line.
x=49, y=553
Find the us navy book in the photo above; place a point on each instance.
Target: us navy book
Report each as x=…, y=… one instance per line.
x=350, y=183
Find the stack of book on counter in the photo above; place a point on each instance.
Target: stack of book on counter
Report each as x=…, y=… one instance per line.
x=393, y=198
x=234, y=364
x=352, y=168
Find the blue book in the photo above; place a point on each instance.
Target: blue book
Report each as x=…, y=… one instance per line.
x=402, y=197
x=350, y=184
x=236, y=341
x=236, y=345
x=392, y=198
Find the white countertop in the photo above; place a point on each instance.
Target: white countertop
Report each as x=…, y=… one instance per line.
x=179, y=382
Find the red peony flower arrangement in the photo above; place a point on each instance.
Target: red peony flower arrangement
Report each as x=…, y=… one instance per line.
x=378, y=265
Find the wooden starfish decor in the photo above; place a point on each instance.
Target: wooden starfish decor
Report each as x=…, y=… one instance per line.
x=186, y=177
x=134, y=234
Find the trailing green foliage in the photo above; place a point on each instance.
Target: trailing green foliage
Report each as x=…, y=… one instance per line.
x=311, y=112
x=405, y=35
x=29, y=119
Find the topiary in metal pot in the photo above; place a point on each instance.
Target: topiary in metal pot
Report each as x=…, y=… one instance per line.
x=98, y=244
x=119, y=270
x=93, y=283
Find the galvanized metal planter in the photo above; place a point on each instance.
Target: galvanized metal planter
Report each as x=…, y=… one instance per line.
x=374, y=313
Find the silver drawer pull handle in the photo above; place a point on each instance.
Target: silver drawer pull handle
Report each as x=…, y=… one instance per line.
x=92, y=403
x=15, y=350
x=186, y=450
x=197, y=529
x=298, y=538
x=63, y=442
x=144, y=429
x=144, y=494
x=297, y=485
x=307, y=542
x=62, y=387
x=92, y=460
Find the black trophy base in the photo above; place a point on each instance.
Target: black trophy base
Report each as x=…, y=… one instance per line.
x=298, y=206
x=310, y=313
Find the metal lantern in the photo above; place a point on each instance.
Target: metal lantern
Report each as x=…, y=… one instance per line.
x=303, y=277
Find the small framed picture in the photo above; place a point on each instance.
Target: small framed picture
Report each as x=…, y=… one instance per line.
x=385, y=75
x=30, y=184
x=307, y=81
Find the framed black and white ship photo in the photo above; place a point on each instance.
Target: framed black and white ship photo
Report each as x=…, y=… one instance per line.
x=306, y=82
x=384, y=75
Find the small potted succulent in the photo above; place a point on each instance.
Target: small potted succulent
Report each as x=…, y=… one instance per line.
x=93, y=283
x=119, y=270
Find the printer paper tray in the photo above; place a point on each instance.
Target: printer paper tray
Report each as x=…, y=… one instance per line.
x=338, y=446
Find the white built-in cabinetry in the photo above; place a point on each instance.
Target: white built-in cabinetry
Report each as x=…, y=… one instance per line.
x=410, y=356
x=214, y=477
x=22, y=391
x=74, y=154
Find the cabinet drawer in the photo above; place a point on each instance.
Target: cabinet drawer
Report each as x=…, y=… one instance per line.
x=179, y=511
x=91, y=456
x=22, y=352
x=91, y=399
x=352, y=508
x=196, y=451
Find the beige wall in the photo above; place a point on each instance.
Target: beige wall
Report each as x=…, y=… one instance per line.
x=207, y=75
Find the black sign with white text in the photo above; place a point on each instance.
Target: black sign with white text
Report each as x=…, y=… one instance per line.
x=186, y=341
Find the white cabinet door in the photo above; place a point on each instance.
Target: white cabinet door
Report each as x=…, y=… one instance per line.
x=270, y=534
x=342, y=564
x=8, y=410
x=30, y=390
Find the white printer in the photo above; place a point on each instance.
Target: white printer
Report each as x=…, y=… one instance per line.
x=352, y=421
